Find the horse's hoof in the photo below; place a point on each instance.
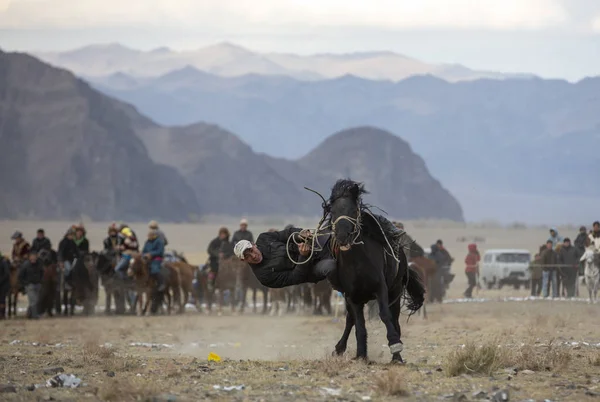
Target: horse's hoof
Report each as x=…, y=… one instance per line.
x=361, y=359
x=397, y=359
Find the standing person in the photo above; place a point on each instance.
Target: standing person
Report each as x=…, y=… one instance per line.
x=444, y=261
x=580, y=246
x=555, y=238
x=472, y=269
x=595, y=236
x=83, y=246
x=4, y=284
x=30, y=276
x=215, y=250
x=41, y=242
x=153, y=225
x=66, y=255
x=580, y=240
x=20, y=249
x=568, y=258
x=549, y=261
x=243, y=233
x=535, y=269
x=154, y=250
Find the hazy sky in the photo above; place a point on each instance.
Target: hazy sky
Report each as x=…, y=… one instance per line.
x=552, y=38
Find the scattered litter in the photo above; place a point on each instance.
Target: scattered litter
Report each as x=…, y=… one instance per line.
x=152, y=345
x=15, y=342
x=110, y=374
x=213, y=357
x=230, y=387
x=331, y=391
x=234, y=388
x=64, y=380
x=527, y=372
x=501, y=396
x=365, y=398
x=481, y=394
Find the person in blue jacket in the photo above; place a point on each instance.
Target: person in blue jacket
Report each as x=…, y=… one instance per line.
x=154, y=251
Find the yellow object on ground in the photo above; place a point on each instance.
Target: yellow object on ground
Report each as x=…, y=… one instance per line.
x=213, y=357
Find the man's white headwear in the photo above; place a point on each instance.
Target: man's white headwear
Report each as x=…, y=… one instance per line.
x=240, y=247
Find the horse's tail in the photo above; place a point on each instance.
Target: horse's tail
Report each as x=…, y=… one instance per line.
x=415, y=290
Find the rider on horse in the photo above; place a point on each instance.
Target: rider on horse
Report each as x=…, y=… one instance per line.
x=278, y=262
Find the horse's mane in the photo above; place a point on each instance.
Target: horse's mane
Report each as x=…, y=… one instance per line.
x=347, y=188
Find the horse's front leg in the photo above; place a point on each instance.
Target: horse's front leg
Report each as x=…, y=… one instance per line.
x=385, y=314
x=360, y=330
x=342, y=344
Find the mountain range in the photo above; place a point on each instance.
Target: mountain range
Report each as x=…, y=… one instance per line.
x=534, y=140
x=230, y=60
x=71, y=151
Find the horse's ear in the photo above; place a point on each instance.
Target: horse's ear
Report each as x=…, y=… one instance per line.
x=355, y=190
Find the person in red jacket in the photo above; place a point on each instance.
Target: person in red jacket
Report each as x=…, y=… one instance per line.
x=472, y=269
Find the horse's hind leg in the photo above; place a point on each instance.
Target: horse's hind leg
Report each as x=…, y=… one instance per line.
x=342, y=344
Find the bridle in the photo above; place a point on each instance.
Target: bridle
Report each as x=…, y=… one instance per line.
x=356, y=224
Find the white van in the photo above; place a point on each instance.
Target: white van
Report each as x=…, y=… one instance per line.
x=505, y=267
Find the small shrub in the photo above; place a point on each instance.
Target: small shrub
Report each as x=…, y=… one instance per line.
x=392, y=383
x=541, y=358
x=472, y=359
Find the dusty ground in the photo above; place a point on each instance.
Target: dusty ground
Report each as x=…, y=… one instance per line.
x=535, y=350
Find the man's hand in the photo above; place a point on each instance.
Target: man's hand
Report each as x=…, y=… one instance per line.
x=148, y=256
x=304, y=249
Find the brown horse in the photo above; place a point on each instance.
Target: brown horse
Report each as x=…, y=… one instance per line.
x=427, y=268
x=49, y=281
x=229, y=279
x=249, y=281
x=140, y=272
x=183, y=273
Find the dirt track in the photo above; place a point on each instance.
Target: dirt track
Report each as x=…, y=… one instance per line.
x=286, y=358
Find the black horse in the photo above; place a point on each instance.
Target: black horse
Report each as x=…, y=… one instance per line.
x=82, y=284
x=371, y=264
x=117, y=289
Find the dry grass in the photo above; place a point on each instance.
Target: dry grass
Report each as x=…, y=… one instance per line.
x=594, y=359
x=551, y=357
x=489, y=357
x=392, y=383
x=334, y=365
x=473, y=359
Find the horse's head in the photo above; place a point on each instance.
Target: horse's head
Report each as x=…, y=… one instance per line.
x=344, y=208
x=137, y=266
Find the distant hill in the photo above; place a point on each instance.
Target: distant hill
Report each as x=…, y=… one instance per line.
x=70, y=151
x=484, y=139
x=230, y=60
x=398, y=179
x=228, y=177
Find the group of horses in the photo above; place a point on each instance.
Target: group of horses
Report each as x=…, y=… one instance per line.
x=133, y=293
